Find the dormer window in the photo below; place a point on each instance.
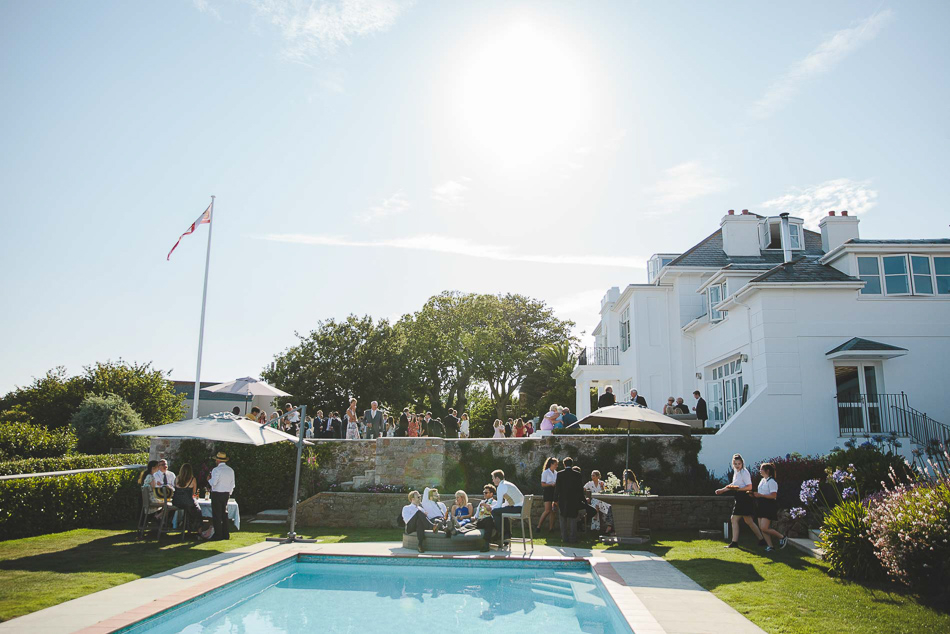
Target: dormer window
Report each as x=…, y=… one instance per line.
x=771, y=233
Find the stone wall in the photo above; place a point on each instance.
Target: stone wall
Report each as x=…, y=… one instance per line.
x=380, y=510
x=415, y=462
x=347, y=459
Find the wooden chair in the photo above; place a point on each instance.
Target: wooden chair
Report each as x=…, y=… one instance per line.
x=525, y=516
x=149, y=508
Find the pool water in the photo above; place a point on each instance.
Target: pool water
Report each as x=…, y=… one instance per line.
x=368, y=594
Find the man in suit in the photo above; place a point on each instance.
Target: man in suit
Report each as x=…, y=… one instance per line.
x=607, y=398
x=701, y=412
x=636, y=398
x=681, y=407
x=436, y=428
x=424, y=425
x=451, y=423
x=373, y=419
x=569, y=491
x=403, y=430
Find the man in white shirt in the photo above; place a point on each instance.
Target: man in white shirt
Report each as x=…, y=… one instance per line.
x=291, y=418
x=508, y=501
x=415, y=518
x=164, y=476
x=222, y=485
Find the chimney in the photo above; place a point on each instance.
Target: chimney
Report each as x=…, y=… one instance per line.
x=740, y=234
x=836, y=230
x=831, y=213
x=786, y=238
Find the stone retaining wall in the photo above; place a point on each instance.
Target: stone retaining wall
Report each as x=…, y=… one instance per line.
x=380, y=510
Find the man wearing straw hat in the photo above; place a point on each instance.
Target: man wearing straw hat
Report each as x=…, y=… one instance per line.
x=222, y=485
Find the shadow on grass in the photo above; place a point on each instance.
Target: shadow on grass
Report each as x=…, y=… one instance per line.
x=712, y=573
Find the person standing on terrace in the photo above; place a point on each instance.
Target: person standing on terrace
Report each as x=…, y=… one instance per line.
x=464, y=426
x=548, y=490
x=607, y=398
x=352, y=422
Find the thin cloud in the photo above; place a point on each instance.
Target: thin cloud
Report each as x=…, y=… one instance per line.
x=205, y=7
x=459, y=247
x=312, y=29
x=684, y=183
x=821, y=60
x=394, y=205
x=814, y=201
x=451, y=192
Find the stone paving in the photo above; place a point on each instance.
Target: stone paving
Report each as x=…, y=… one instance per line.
x=652, y=595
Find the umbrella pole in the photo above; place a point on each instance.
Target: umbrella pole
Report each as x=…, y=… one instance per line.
x=626, y=464
x=292, y=536
x=245, y=404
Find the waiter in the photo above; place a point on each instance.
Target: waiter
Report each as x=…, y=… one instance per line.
x=222, y=485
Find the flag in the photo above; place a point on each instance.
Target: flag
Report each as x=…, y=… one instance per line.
x=203, y=219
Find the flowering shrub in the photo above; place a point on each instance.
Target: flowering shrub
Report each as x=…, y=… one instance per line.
x=790, y=471
x=873, y=462
x=845, y=542
x=910, y=532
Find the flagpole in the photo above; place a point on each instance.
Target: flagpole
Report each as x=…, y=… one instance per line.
x=204, y=300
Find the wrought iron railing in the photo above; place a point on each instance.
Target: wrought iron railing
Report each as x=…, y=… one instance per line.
x=888, y=413
x=599, y=355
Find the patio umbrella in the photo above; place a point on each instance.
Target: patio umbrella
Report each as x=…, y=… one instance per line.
x=222, y=427
x=246, y=387
x=634, y=417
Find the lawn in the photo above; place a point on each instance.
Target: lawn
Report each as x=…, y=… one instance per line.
x=784, y=592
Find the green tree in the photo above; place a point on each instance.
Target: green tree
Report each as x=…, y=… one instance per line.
x=50, y=401
x=509, y=331
x=100, y=422
x=550, y=381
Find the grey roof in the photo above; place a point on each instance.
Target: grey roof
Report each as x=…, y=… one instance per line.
x=856, y=343
x=804, y=269
x=709, y=253
x=913, y=241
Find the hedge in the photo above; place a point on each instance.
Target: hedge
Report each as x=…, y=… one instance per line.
x=614, y=431
x=37, y=506
x=23, y=440
x=43, y=465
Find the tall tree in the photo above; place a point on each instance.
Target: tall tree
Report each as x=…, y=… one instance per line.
x=550, y=380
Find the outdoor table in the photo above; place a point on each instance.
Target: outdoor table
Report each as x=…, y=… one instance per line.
x=234, y=512
x=626, y=510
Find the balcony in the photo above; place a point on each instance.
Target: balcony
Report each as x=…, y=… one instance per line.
x=599, y=355
x=861, y=414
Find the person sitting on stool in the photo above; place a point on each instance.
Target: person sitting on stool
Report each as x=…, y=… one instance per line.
x=222, y=485
x=508, y=501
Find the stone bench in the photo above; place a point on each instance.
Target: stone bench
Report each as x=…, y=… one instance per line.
x=471, y=540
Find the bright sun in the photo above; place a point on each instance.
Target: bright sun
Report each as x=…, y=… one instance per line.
x=524, y=94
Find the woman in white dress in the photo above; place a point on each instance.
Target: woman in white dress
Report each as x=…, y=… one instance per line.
x=499, y=429
x=464, y=426
x=596, y=486
x=352, y=422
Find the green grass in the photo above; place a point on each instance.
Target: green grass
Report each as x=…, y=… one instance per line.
x=782, y=592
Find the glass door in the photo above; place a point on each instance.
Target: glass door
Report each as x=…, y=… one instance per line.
x=859, y=406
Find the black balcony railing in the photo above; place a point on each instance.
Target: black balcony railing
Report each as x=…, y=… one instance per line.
x=888, y=413
x=599, y=355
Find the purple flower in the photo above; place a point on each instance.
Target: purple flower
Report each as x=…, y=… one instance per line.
x=809, y=491
x=798, y=512
x=840, y=476
x=849, y=492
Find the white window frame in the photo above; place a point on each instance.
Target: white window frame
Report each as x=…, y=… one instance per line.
x=794, y=236
x=938, y=276
x=625, y=329
x=880, y=283
x=912, y=284
x=724, y=390
x=715, y=316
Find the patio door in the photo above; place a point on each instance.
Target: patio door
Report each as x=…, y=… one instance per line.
x=857, y=391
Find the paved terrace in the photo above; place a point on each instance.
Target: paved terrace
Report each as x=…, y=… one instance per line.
x=653, y=595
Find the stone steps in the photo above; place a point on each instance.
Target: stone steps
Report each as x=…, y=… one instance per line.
x=272, y=516
x=368, y=478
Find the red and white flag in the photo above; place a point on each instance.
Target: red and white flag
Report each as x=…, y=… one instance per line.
x=203, y=219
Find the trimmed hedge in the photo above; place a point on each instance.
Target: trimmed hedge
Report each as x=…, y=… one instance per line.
x=23, y=440
x=42, y=465
x=37, y=506
x=613, y=431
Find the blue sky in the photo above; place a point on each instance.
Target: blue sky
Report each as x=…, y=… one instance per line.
x=366, y=155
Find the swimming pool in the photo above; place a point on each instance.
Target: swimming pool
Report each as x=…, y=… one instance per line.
x=384, y=594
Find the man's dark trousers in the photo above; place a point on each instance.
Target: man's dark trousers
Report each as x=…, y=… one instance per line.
x=219, y=514
x=418, y=524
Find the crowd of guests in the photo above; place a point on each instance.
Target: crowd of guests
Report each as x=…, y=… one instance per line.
x=673, y=406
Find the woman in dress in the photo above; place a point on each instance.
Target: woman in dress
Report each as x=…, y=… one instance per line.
x=596, y=486
x=274, y=420
x=740, y=487
x=499, y=429
x=352, y=422
x=464, y=426
x=548, y=490
x=186, y=487
x=670, y=405
x=529, y=428
x=766, y=506
x=519, y=429
x=630, y=482
x=147, y=479
x=462, y=511
x=547, y=423
x=414, y=426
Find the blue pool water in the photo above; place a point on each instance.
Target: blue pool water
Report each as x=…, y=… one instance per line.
x=365, y=595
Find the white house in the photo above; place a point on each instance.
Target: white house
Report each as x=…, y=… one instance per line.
x=796, y=339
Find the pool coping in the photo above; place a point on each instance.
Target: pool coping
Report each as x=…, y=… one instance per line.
x=630, y=607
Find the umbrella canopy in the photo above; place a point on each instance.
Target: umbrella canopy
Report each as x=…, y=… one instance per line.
x=634, y=417
x=223, y=427
x=248, y=386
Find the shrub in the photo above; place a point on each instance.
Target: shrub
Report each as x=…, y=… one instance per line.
x=100, y=421
x=37, y=506
x=790, y=472
x=846, y=544
x=23, y=440
x=910, y=531
x=873, y=465
x=614, y=431
x=43, y=465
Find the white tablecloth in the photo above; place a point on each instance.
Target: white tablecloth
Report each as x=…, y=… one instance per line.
x=234, y=512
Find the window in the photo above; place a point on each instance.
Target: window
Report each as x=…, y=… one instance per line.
x=920, y=269
x=896, y=281
x=794, y=237
x=625, y=328
x=715, y=294
x=942, y=274
x=870, y=272
x=724, y=394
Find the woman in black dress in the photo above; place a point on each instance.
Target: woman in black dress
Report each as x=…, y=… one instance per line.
x=184, y=496
x=548, y=483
